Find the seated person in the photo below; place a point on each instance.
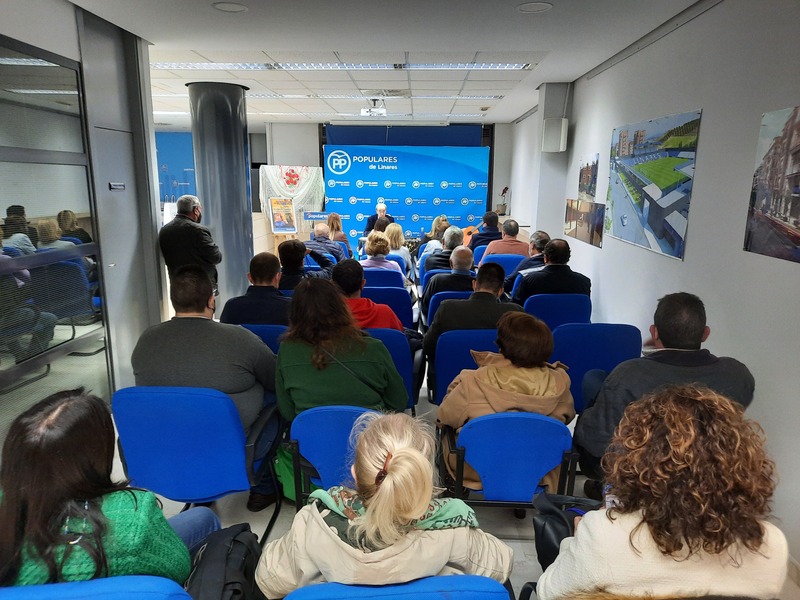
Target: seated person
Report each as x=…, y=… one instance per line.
x=678, y=330
x=556, y=277
x=388, y=529
x=459, y=279
x=292, y=254
x=349, y=276
x=380, y=213
x=336, y=232
x=488, y=231
x=519, y=379
x=65, y=519
x=440, y=259
x=538, y=241
x=325, y=359
x=262, y=303
x=508, y=244
x=433, y=240
x=397, y=245
x=691, y=485
x=15, y=235
x=321, y=242
x=377, y=248
x=50, y=238
x=17, y=210
x=68, y=222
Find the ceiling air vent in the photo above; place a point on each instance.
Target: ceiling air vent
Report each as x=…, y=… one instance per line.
x=387, y=93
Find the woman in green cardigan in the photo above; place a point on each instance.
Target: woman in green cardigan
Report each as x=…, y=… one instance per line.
x=325, y=359
x=62, y=518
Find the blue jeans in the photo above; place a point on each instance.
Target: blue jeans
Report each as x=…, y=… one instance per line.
x=271, y=431
x=193, y=526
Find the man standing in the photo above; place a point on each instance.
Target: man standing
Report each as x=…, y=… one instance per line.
x=193, y=350
x=321, y=242
x=262, y=303
x=349, y=276
x=538, y=241
x=380, y=211
x=480, y=311
x=508, y=244
x=292, y=254
x=489, y=232
x=555, y=277
x=183, y=241
x=459, y=279
x=679, y=328
x=440, y=259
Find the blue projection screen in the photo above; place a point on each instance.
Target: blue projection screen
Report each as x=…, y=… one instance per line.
x=417, y=184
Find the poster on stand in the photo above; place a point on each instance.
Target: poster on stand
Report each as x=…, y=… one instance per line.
x=650, y=182
x=281, y=211
x=773, y=220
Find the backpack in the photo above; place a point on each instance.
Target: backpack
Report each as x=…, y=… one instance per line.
x=225, y=566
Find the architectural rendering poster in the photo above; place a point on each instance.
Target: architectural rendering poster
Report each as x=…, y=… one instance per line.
x=584, y=218
x=773, y=223
x=650, y=182
x=282, y=215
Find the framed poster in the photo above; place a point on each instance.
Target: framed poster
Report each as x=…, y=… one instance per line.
x=281, y=211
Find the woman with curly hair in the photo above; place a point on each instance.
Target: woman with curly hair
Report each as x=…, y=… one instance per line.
x=690, y=488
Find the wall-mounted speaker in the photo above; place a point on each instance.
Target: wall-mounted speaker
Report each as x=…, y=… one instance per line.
x=554, y=135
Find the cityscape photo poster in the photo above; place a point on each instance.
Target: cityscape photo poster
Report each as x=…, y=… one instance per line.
x=584, y=218
x=773, y=221
x=650, y=182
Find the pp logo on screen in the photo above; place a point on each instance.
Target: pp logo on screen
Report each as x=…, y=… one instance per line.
x=409, y=201
x=415, y=184
x=379, y=200
x=444, y=185
x=415, y=218
x=339, y=162
x=436, y=201
x=472, y=185
x=470, y=218
x=407, y=233
x=387, y=184
x=464, y=201
x=359, y=183
x=359, y=217
x=353, y=233
x=331, y=183
x=353, y=200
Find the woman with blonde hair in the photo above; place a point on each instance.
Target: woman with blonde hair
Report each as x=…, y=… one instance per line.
x=68, y=222
x=397, y=245
x=337, y=233
x=388, y=529
x=377, y=248
x=434, y=237
x=690, y=489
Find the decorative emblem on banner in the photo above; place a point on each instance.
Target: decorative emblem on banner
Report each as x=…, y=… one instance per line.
x=407, y=233
x=387, y=184
x=415, y=218
x=472, y=185
x=359, y=183
x=381, y=199
x=409, y=201
x=331, y=183
x=437, y=201
x=353, y=233
x=464, y=201
x=339, y=162
x=353, y=200
x=359, y=217
x=444, y=185
x=290, y=177
x=470, y=218
x=415, y=184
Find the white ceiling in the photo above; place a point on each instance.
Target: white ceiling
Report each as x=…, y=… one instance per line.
x=561, y=45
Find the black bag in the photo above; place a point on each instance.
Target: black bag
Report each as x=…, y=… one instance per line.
x=225, y=566
x=554, y=521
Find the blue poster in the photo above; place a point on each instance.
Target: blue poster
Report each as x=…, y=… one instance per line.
x=417, y=184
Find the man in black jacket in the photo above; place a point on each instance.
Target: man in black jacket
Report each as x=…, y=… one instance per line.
x=262, y=303
x=555, y=277
x=292, y=254
x=183, y=241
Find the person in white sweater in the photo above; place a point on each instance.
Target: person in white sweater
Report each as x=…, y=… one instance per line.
x=690, y=488
x=390, y=528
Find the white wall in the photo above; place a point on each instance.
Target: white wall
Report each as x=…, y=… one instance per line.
x=503, y=151
x=525, y=171
x=735, y=62
x=293, y=144
x=48, y=24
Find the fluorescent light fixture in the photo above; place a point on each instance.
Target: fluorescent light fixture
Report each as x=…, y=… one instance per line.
x=25, y=62
x=222, y=66
x=45, y=92
x=456, y=97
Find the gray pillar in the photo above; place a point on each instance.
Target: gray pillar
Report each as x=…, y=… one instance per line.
x=222, y=170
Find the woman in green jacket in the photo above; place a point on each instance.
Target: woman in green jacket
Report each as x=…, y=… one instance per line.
x=325, y=359
x=62, y=518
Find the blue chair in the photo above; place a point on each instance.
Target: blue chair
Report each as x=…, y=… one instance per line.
x=345, y=248
x=453, y=356
x=439, y=297
x=517, y=280
x=384, y=278
x=478, y=253
x=397, y=345
x=396, y=298
x=421, y=273
x=511, y=452
x=558, y=309
x=123, y=587
x=74, y=240
x=321, y=436
x=11, y=251
x=401, y=262
x=308, y=261
x=440, y=587
x=421, y=249
x=509, y=262
x=188, y=444
x=586, y=346
x=269, y=334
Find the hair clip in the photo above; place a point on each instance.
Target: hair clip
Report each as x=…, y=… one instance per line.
x=384, y=471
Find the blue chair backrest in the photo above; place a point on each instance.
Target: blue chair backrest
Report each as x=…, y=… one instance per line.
x=509, y=262
x=74, y=240
x=62, y=288
x=396, y=298
x=421, y=270
x=11, y=251
x=398, y=259
x=345, y=248
x=426, y=276
x=323, y=437
x=383, y=278
x=478, y=253
x=453, y=355
x=421, y=249
x=512, y=452
x=585, y=346
x=437, y=299
x=517, y=281
x=308, y=261
x=186, y=444
x=269, y=334
x=397, y=345
x=440, y=587
x=559, y=309
x=121, y=587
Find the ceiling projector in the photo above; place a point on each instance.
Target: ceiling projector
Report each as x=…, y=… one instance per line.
x=373, y=111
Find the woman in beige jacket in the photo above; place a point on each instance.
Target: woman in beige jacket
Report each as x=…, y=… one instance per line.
x=390, y=528
x=517, y=380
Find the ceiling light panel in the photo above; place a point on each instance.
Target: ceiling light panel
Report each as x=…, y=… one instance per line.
x=210, y=66
x=42, y=92
x=302, y=57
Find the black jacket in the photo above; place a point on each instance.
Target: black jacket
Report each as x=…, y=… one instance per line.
x=552, y=279
x=261, y=305
x=184, y=242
